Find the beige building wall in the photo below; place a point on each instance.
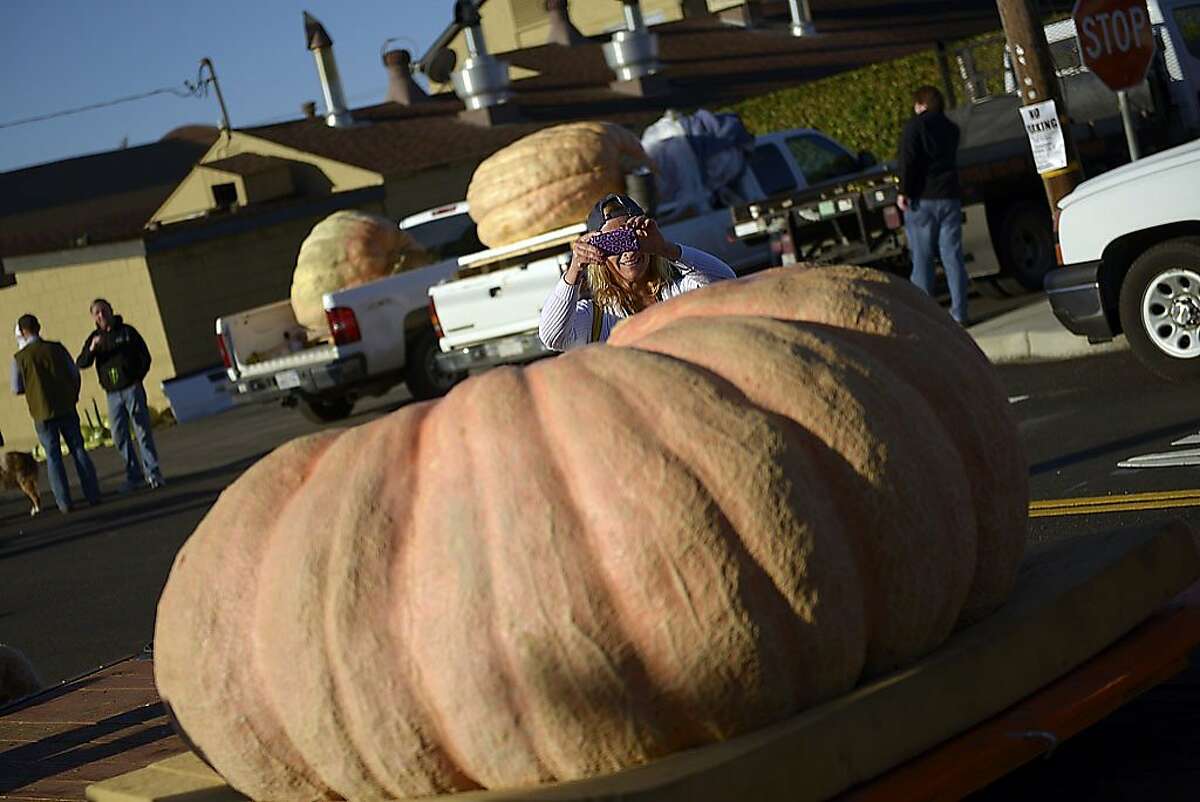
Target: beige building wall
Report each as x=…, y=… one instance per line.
x=59, y=288
x=516, y=24
x=197, y=283
x=313, y=176
x=417, y=192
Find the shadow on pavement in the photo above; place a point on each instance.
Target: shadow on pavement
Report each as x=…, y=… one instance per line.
x=117, y=511
x=62, y=752
x=100, y=521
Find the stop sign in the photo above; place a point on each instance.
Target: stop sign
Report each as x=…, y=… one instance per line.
x=1116, y=40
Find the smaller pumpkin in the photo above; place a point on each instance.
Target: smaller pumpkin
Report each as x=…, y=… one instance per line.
x=344, y=250
x=550, y=179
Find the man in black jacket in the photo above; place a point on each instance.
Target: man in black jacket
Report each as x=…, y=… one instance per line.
x=931, y=198
x=122, y=361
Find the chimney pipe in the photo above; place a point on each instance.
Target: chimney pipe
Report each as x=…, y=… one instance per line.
x=401, y=87
x=483, y=81
x=309, y=109
x=562, y=32
x=336, y=113
x=802, y=24
x=633, y=16
x=632, y=53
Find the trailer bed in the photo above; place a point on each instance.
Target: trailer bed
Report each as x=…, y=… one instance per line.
x=1091, y=625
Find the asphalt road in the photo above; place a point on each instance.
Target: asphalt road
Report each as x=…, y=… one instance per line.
x=78, y=591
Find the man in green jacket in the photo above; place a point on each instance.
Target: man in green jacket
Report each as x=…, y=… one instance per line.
x=45, y=374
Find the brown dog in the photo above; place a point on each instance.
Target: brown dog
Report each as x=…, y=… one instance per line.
x=19, y=469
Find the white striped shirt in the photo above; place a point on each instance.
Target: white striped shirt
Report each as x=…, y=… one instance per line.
x=566, y=319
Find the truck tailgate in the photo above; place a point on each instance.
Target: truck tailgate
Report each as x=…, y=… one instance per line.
x=299, y=359
x=492, y=305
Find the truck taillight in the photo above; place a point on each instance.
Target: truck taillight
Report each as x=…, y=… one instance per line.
x=433, y=319
x=343, y=325
x=224, y=349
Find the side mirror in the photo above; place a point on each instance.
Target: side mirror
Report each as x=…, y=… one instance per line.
x=867, y=159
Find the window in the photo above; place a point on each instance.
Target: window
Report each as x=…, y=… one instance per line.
x=771, y=170
x=448, y=237
x=819, y=159
x=225, y=196
x=1187, y=18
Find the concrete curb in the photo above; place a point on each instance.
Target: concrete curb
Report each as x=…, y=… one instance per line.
x=1033, y=334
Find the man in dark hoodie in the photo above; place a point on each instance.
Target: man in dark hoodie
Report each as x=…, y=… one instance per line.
x=122, y=360
x=931, y=198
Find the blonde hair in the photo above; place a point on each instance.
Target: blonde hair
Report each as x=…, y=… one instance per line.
x=614, y=297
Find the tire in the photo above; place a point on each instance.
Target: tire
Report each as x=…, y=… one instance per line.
x=425, y=380
x=1026, y=244
x=1160, y=308
x=325, y=410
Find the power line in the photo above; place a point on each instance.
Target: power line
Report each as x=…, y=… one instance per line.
x=66, y=112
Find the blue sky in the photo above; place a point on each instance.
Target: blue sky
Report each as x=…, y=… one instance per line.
x=62, y=54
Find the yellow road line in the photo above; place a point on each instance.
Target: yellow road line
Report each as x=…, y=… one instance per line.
x=1131, y=502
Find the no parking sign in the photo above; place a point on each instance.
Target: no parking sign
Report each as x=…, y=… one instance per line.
x=1045, y=136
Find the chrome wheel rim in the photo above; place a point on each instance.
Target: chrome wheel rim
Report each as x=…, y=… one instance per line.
x=1171, y=313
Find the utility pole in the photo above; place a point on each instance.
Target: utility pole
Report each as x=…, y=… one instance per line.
x=1037, y=83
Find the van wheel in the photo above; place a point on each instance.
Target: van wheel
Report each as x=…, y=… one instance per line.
x=424, y=378
x=325, y=410
x=1160, y=308
x=1027, y=244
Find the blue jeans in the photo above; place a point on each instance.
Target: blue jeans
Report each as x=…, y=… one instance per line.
x=48, y=432
x=127, y=409
x=937, y=223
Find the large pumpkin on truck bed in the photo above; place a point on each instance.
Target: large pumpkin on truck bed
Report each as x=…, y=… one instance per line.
x=589, y=563
x=344, y=250
x=550, y=179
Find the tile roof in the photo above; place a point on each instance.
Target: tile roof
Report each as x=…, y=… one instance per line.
x=246, y=164
x=91, y=199
x=707, y=62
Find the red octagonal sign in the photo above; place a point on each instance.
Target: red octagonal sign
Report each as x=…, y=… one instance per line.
x=1116, y=40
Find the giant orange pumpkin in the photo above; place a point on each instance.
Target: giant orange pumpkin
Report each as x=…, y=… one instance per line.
x=726, y=516
x=550, y=179
x=344, y=250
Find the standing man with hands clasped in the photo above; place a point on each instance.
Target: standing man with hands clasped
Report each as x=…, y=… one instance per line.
x=931, y=198
x=122, y=361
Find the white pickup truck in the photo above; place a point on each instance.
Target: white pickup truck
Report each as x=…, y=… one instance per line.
x=379, y=335
x=1130, y=242
x=488, y=313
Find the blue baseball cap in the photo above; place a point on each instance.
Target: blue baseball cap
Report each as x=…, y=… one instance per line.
x=617, y=206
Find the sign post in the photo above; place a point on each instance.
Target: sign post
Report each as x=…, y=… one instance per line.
x=1116, y=42
x=1041, y=100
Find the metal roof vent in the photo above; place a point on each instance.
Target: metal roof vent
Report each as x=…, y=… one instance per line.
x=633, y=52
x=562, y=31
x=483, y=81
x=402, y=88
x=336, y=113
x=802, y=24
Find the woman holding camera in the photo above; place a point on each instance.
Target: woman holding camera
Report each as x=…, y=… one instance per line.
x=619, y=267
